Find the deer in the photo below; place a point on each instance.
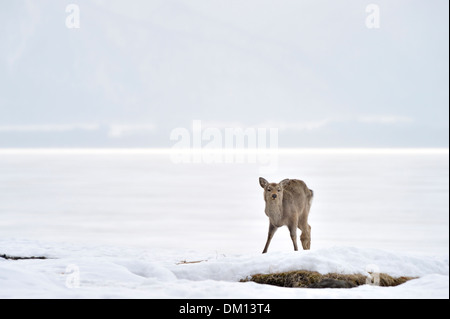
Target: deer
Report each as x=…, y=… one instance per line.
x=288, y=204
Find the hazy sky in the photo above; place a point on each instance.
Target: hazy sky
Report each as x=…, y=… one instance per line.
x=135, y=70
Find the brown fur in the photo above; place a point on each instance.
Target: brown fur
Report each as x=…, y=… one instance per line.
x=288, y=204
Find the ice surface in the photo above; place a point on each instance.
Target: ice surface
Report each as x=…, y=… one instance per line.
x=129, y=220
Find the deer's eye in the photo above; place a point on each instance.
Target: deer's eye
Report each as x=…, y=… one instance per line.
x=279, y=190
x=268, y=190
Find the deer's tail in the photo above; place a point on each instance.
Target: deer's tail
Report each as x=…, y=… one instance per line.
x=311, y=196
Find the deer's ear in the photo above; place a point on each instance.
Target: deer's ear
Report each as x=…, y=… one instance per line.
x=285, y=182
x=263, y=182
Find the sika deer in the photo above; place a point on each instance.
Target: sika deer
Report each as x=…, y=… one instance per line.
x=288, y=203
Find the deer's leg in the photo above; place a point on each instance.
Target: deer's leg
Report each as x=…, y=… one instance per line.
x=293, y=232
x=272, y=230
x=305, y=237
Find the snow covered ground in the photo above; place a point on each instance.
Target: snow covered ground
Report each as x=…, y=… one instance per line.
x=123, y=224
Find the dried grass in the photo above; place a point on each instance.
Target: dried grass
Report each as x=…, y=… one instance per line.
x=313, y=279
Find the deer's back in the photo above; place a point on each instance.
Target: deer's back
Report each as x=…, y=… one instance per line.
x=296, y=194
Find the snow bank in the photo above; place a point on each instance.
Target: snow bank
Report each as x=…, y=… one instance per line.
x=124, y=272
x=348, y=260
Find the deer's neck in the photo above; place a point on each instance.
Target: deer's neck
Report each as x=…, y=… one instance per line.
x=275, y=213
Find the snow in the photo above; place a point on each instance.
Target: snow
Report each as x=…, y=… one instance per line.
x=110, y=272
x=138, y=226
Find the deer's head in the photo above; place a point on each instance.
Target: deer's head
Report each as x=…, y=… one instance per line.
x=273, y=192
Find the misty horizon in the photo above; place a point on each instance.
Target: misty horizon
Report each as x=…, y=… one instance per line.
x=126, y=74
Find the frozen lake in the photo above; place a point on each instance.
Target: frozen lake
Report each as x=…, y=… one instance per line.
x=391, y=200
x=127, y=224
